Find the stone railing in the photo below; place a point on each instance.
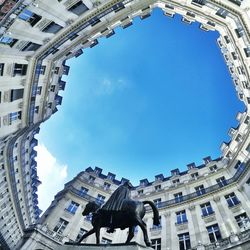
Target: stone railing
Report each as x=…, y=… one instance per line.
x=227, y=243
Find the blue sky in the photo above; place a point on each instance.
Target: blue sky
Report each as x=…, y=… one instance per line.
x=153, y=97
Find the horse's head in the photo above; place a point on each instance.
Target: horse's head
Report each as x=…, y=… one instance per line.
x=90, y=208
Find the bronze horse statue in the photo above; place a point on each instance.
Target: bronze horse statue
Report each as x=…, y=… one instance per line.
x=129, y=216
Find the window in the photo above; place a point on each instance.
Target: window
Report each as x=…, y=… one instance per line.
x=72, y=207
x=80, y=234
x=61, y=225
x=106, y=241
x=158, y=188
x=8, y=40
x=213, y=168
x=176, y=181
x=140, y=192
x=232, y=200
x=156, y=244
x=200, y=190
x=100, y=198
x=91, y=179
x=247, y=51
x=106, y=186
x=206, y=209
x=200, y=2
x=37, y=109
x=20, y=69
x=222, y=13
x=184, y=241
x=16, y=94
x=248, y=182
x=30, y=17
x=78, y=8
x=239, y=32
x=195, y=175
x=15, y=116
x=39, y=90
x=178, y=197
x=181, y=217
x=242, y=221
x=1, y=69
x=83, y=191
x=157, y=202
x=52, y=28
x=214, y=233
x=221, y=181
x=31, y=47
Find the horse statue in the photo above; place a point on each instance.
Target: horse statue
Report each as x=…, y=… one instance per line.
x=129, y=216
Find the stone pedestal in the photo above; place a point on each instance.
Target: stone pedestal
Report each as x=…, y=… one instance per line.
x=130, y=246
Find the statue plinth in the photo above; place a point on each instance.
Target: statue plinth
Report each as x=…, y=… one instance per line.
x=130, y=246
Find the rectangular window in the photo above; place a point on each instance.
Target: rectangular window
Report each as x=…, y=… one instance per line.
x=222, y=13
x=247, y=51
x=213, y=168
x=30, y=17
x=100, y=198
x=214, y=233
x=106, y=186
x=39, y=90
x=195, y=175
x=72, y=207
x=184, y=241
x=61, y=225
x=37, y=109
x=232, y=200
x=200, y=190
x=31, y=47
x=20, y=69
x=91, y=179
x=239, y=32
x=176, y=181
x=206, y=209
x=78, y=8
x=156, y=244
x=178, y=197
x=242, y=221
x=52, y=28
x=83, y=191
x=1, y=69
x=158, y=188
x=16, y=94
x=8, y=41
x=157, y=202
x=221, y=181
x=140, y=192
x=199, y=2
x=181, y=217
x=14, y=116
x=80, y=234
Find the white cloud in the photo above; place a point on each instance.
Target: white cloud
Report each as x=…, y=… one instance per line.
x=52, y=174
x=108, y=86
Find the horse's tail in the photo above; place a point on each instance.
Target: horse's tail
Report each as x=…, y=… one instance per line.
x=156, y=219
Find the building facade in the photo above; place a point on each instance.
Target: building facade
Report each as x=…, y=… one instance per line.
x=205, y=207
x=36, y=39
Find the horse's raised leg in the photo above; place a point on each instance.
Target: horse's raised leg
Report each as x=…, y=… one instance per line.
x=143, y=227
x=86, y=235
x=130, y=234
x=97, y=234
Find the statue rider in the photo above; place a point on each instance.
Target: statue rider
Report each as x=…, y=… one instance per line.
x=114, y=203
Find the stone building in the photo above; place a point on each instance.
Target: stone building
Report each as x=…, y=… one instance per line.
x=205, y=207
x=36, y=39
